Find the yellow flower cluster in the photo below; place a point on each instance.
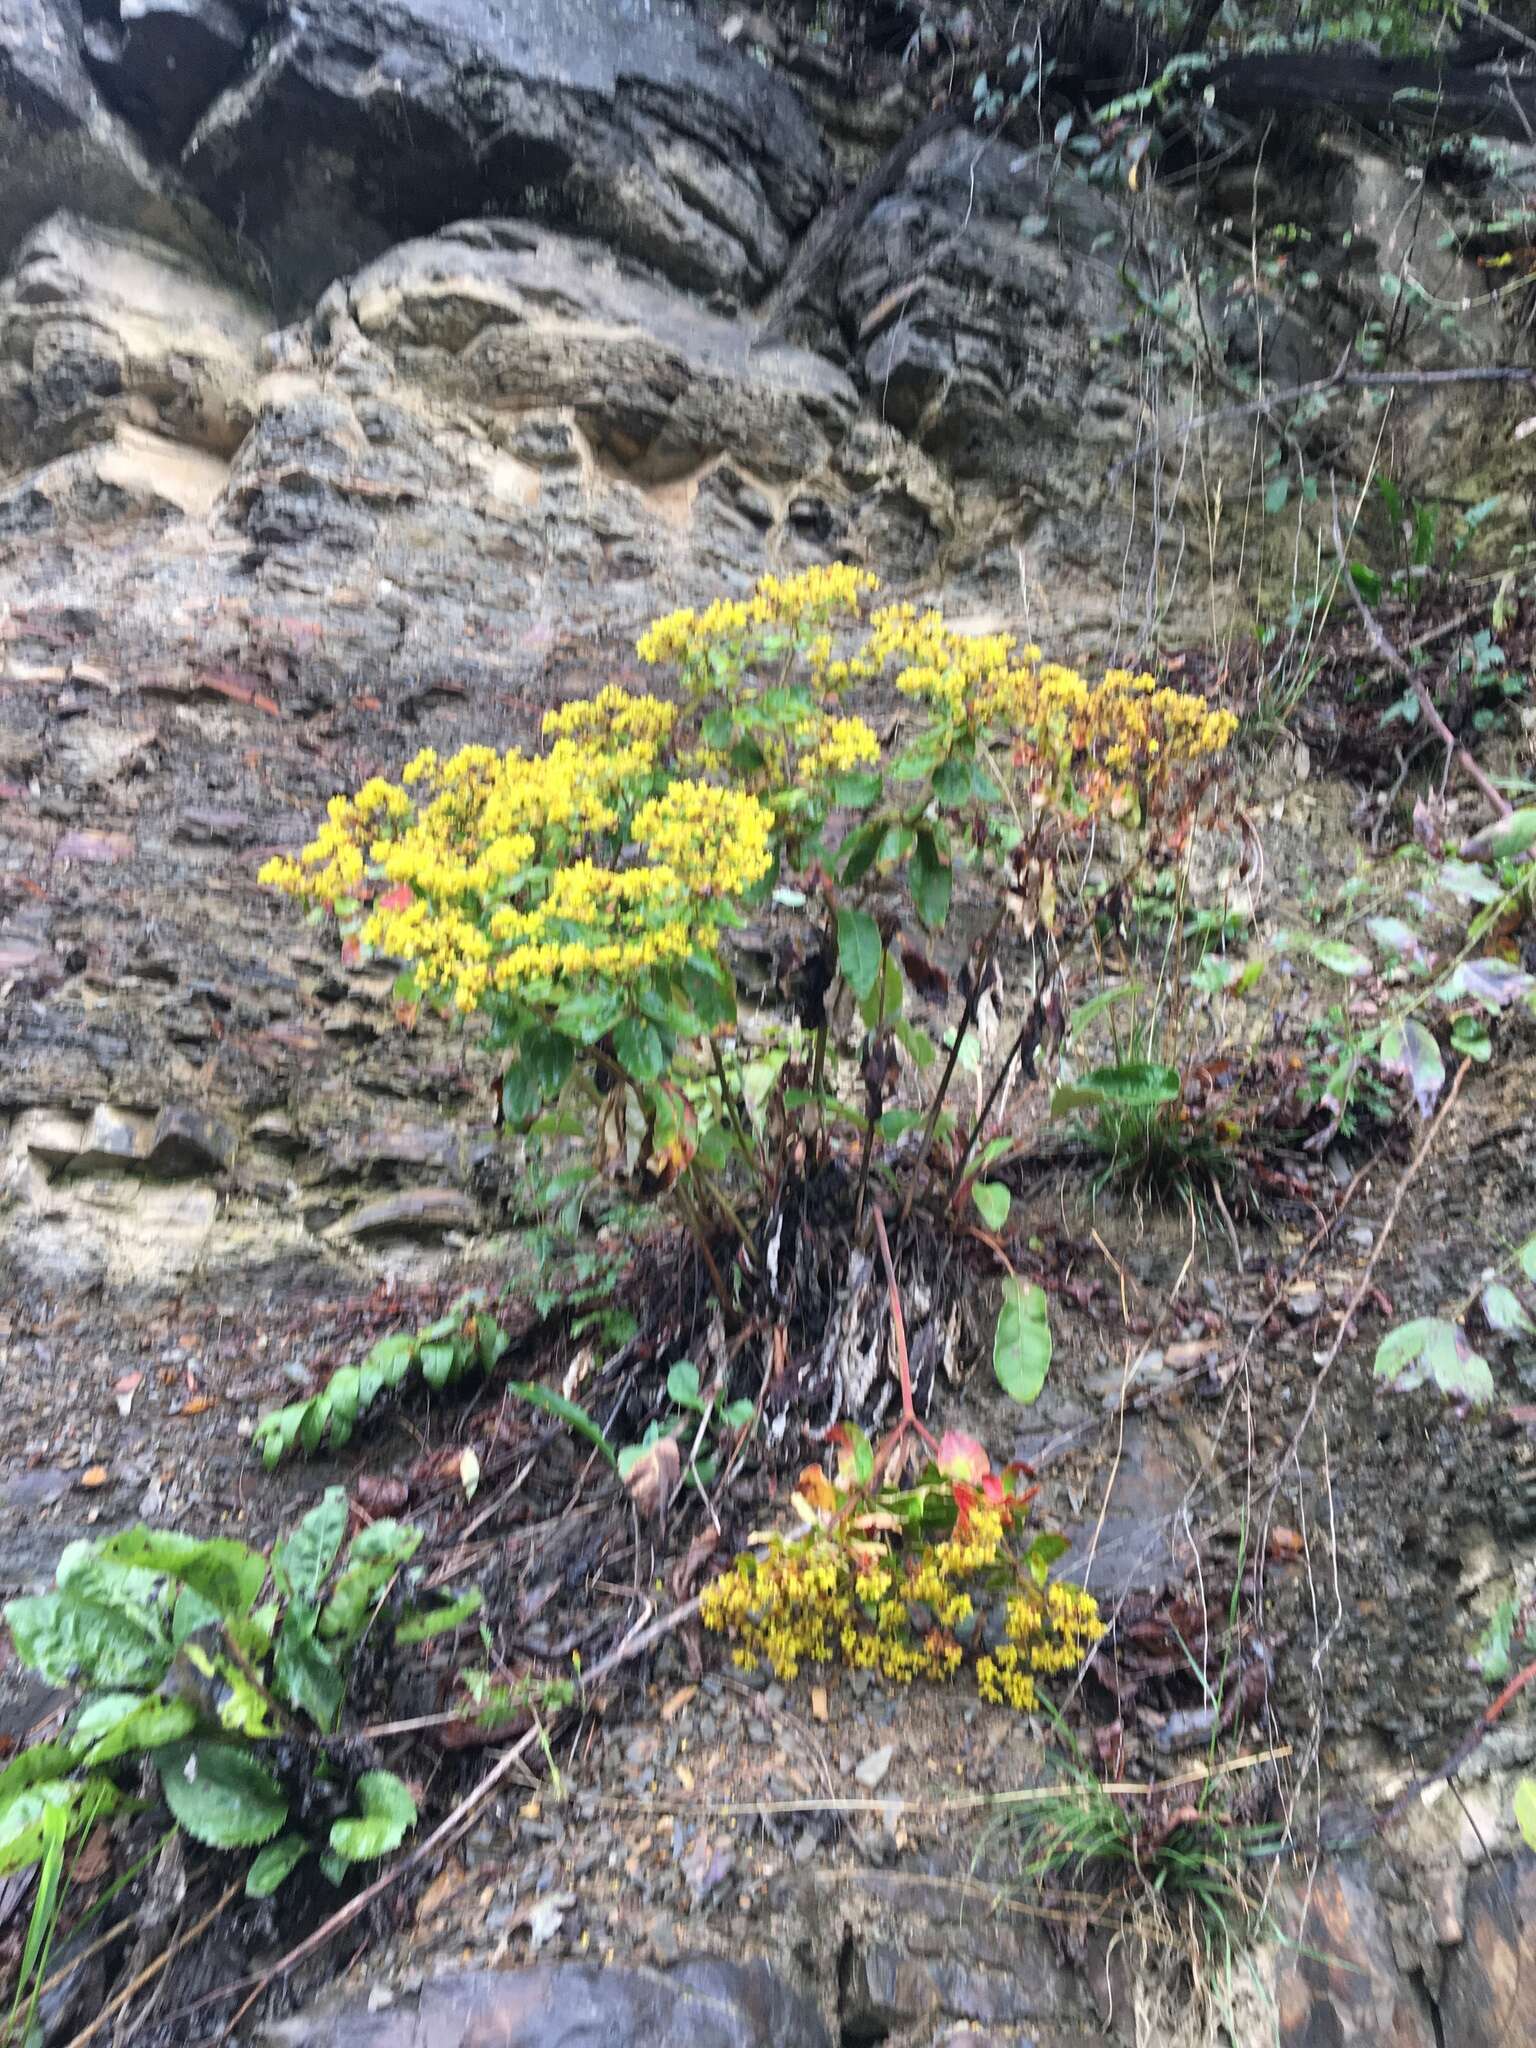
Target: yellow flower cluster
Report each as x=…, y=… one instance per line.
x=837, y=746
x=814, y=1597
x=986, y=681
x=613, y=715
x=1051, y=1631
x=504, y=872
x=812, y=597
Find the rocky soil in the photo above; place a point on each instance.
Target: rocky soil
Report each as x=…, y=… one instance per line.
x=368, y=376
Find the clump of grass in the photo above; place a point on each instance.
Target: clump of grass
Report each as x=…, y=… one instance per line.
x=1174, y=1866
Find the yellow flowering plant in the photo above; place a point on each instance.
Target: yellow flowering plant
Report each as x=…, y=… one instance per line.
x=577, y=894
x=919, y=1580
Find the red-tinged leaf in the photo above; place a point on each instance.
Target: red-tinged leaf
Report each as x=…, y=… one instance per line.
x=351, y=951
x=1410, y=1050
x=1493, y=983
x=399, y=898
x=961, y=1457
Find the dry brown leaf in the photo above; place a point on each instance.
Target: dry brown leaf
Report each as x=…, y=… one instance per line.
x=652, y=1480
x=678, y=1701
x=94, y=1476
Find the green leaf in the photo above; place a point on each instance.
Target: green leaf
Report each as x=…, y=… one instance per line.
x=40, y=1764
x=1021, y=1345
x=639, y=1049
x=422, y=1623
x=1468, y=883
x=303, y=1672
x=302, y=1562
x=74, y=1637
x=564, y=1411
x=1505, y=839
x=376, y=1554
x=860, y=1450
x=1506, y=1312
x=1047, y=1547
x=1525, y=1810
x=437, y=1365
x=274, y=1863
x=952, y=780
x=590, y=1015
x=228, y=1575
x=683, y=1386
x=858, y=792
x=859, y=950
x=220, y=1794
x=884, y=1001
x=1409, y=1049
x=388, y=1815
x=1339, y=957
x=1525, y=1258
x=993, y=1200
x=931, y=879
x=1429, y=1348
x=858, y=850
x=1133, y=1084
x=737, y=1414
x=127, y=1724
x=1276, y=495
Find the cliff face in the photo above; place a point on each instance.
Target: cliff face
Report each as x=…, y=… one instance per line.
x=370, y=371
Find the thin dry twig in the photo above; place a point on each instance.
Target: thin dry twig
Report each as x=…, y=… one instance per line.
x=1376, y=633
x=1363, y=1286
x=152, y=1970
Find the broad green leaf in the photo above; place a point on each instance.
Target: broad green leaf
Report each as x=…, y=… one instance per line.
x=953, y=779
x=1526, y=1258
x=857, y=792
x=993, y=1200
x=1407, y=1048
x=1133, y=1084
x=860, y=1451
x=1276, y=495
x=1525, y=1810
x=1047, y=1547
x=227, y=1574
x=220, y=1794
x=437, y=1363
x=303, y=1672
x=50, y=1811
x=1393, y=935
x=40, y=1764
x=1339, y=957
x=883, y=1004
x=422, y=1623
x=931, y=880
x=858, y=950
x=1493, y=983
x=302, y=1562
x=639, y=1049
x=376, y=1555
x=387, y=1817
x=1471, y=884
x=564, y=1411
x=1505, y=839
x=1505, y=1311
x=106, y=1730
x=72, y=1637
x=1429, y=1348
x=273, y=1864
x=590, y=1015
x=1021, y=1344
x=683, y=1386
